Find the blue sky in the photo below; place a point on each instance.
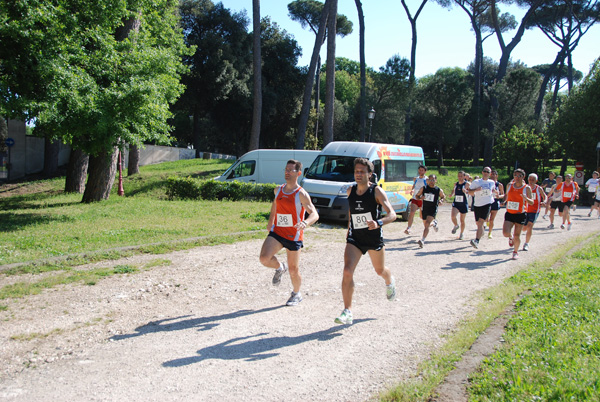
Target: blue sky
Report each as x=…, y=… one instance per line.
x=444, y=36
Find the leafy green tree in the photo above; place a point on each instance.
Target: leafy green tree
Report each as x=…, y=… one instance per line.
x=522, y=147
x=576, y=125
x=103, y=74
x=442, y=102
x=220, y=68
x=517, y=95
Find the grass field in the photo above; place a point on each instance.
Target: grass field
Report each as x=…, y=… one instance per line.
x=44, y=222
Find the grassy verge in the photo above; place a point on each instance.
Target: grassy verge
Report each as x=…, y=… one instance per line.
x=552, y=346
x=493, y=301
x=47, y=223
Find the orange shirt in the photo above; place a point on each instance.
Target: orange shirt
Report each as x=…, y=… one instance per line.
x=289, y=212
x=515, y=204
x=536, y=192
x=569, y=191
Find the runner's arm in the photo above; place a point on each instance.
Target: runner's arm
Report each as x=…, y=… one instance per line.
x=382, y=199
x=313, y=215
x=273, y=214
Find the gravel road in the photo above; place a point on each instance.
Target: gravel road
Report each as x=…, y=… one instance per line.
x=210, y=326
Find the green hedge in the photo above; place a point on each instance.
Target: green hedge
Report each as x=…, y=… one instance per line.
x=194, y=189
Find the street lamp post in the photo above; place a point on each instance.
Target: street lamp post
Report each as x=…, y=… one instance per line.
x=371, y=116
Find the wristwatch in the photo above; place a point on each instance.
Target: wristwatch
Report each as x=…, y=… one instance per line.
x=380, y=222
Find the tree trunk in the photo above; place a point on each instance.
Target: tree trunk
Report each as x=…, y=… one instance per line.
x=542, y=93
x=330, y=79
x=477, y=94
x=413, y=68
x=196, y=138
x=363, y=71
x=133, y=167
x=51, y=149
x=308, y=86
x=257, y=69
x=317, y=99
x=76, y=171
x=102, y=170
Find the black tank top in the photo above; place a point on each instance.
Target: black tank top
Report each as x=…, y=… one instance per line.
x=459, y=189
x=363, y=204
x=431, y=201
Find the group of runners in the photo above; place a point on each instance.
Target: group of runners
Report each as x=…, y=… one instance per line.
x=292, y=211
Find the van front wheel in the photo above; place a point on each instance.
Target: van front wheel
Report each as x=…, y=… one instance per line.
x=404, y=215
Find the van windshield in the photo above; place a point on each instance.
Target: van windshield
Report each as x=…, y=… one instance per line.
x=332, y=168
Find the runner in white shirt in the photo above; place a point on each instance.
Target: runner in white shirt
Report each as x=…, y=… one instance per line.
x=483, y=191
x=593, y=185
x=415, y=204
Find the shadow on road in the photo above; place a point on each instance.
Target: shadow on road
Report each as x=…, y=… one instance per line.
x=181, y=323
x=246, y=348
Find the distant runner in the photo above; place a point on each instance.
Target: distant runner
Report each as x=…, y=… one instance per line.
x=518, y=194
x=432, y=196
x=483, y=191
x=570, y=193
x=554, y=200
x=533, y=210
x=592, y=186
x=415, y=205
x=460, y=204
x=547, y=184
x=496, y=204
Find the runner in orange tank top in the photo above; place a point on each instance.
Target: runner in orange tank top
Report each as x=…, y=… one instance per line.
x=286, y=228
x=533, y=210
x=570, y=192
x=517, y=196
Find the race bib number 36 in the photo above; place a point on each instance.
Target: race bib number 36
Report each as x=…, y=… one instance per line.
x=359, y=221
x=285, y=220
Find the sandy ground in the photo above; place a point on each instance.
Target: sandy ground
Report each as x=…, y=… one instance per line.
x=211, y=327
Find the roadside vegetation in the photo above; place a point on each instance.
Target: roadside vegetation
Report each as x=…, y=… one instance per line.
x=551, y=350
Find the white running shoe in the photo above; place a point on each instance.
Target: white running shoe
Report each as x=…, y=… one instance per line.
x=569, y=226
x=461, y=237
x=390, y=290
x=420, y=243
x=294, y=299
x=407, y=231
x=345, y=317
x=526, y=247
x=435, y=225
x=551, y=226
x=279, y=273
x=515, y=256
x=455, y=228
x=475, y=243
x=562, y=226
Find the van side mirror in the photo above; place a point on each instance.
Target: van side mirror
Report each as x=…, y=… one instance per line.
x=305, y=170
x=374, y=178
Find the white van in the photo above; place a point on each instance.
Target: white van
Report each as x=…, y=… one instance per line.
x=328, y=178
x=266, y=165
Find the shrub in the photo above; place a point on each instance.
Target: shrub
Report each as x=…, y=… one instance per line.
x=189, y=188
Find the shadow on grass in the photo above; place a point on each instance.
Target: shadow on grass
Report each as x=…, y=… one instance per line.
x=10, y=222
x=248, y=349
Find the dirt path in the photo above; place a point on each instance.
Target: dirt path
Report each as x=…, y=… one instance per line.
x=210, y=326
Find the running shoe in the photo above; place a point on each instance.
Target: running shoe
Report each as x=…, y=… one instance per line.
x=515, y=256
x=489, y=235
x=420, y=243
x=551, y=226
x=475, y=243
x=454, y=229
x=590, y=214
x=390, y=290
x=294, y=299
x=460, y=237
x=510, y=242
x=562, y=226
x=279, y=273
x=526, y=247
x=407, y=231
x=569, y=226
x=435, y=225
x=545, y=217
x=345, y=317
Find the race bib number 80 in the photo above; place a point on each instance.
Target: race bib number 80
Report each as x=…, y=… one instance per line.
x=359, y=221
x=285, y=220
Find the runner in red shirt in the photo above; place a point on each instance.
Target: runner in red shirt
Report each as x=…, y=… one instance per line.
x=570, y=192
x=533, y=211
x=518, y=194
